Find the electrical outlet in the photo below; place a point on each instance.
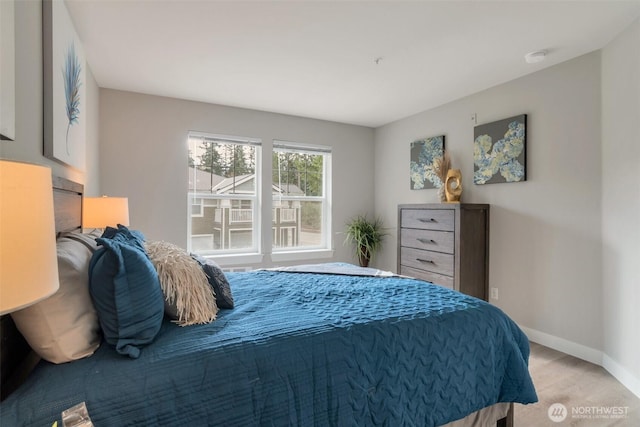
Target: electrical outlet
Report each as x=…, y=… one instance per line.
x=494, y=294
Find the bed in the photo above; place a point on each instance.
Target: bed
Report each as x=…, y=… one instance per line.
x=327, y=345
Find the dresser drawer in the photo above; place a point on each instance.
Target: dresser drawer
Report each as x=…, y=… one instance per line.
x=434, y=262
x=432, y=240
x=434, y=219
x=427, y=276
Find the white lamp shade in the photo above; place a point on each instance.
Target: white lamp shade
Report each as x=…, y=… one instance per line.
x=28, y=259
x=102, y=212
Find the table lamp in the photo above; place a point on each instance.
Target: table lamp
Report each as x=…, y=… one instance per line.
x=100, y=212
x=28, y=258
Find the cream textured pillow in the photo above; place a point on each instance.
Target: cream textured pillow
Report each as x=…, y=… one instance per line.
x=188, y=297
x=64, y=327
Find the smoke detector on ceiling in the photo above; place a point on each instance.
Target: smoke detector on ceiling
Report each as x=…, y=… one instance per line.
x=537, y=56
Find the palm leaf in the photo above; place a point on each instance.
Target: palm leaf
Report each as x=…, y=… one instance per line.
x=72, y=83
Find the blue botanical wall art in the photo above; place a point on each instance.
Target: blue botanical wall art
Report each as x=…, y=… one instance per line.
x=72, y=83
x=499, y=151
x=426, y=155
x=65, y=106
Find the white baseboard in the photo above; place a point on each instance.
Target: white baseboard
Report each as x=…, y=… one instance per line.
x=589, y=354
x=574, y=349
x=622, y=374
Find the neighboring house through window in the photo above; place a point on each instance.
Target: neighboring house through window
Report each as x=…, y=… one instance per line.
x=301, y=197
x=222, y=194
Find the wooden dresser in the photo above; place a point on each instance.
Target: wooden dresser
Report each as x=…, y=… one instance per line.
x=446, y=244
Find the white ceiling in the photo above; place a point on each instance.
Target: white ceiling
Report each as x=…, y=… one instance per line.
x=317, y=58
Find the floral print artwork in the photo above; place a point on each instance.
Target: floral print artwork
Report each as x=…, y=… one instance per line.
x=426, y=155
x=499, y=151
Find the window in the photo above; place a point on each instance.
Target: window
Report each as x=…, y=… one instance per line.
x=301, y=208
x=224, y=173
x=225, y=215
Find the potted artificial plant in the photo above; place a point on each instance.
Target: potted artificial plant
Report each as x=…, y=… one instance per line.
x=367, y=236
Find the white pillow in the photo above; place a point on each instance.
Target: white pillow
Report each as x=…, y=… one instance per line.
x=64, y=327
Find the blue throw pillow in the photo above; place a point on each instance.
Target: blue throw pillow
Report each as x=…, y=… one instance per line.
x=126, y=292
x=217, y=280
x=123, y=234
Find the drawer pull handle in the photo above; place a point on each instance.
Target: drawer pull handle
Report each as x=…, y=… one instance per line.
x=426, y=220
x=426, y=261
x=425, y=241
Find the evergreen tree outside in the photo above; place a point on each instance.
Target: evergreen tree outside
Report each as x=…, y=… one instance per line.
x=302, y=170
x=240, y=164
x=227, y=160
x=210, y=160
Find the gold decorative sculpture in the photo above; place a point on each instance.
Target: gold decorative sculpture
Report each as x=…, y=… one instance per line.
x=442, y=165
x=453, y=186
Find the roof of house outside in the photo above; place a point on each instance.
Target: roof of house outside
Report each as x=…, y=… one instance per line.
x=237, y=184
x=204, y=181
x=207, y=182
x=244, y=182
x=288, y=190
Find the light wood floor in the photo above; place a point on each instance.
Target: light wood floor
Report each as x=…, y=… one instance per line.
x=578, y=385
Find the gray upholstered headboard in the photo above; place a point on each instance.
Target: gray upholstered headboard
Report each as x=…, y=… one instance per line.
x=16, y=357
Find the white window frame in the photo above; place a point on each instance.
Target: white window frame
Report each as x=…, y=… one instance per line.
x=200, y=214
x=324, y=249
x=233, y=256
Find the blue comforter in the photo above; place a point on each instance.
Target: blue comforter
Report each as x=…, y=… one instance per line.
x=300, y=349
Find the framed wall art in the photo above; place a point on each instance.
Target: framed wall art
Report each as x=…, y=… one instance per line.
x=426, y=155
x=499, y=151
x=64, y=87
x=7, y=71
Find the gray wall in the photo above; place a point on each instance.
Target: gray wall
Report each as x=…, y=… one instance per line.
x=143, y=154
x=29, y=128
x=621, y=205
x=545, y=255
